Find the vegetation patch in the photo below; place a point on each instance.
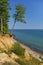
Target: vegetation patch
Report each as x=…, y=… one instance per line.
x=21, y=62
x=18, y=49
x=29, y=62
x=8, y=63
x=2, y=50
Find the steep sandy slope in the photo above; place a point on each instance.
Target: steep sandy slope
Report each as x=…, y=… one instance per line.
x=6, y=41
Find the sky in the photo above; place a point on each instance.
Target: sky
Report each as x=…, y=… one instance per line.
x=33, y=15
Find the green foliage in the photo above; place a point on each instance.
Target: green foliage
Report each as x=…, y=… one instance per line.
x=5, y=51
x=4, y=15
x=20, y=11
x=29, y=62
x=19, y=14
x=17, y=48
x=33, y=61
x=2, y=50
x=21, y=62
x=8, y=63
x=8, y=52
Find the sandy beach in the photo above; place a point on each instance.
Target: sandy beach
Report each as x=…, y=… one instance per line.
x=33, y=53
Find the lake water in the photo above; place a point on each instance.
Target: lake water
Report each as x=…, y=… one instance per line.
x=31, y=38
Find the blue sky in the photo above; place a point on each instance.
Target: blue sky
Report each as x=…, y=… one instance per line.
x=33, y=15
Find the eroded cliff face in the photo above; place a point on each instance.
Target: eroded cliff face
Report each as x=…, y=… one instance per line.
x=6, y=43
x=8, y=57
x=6, y=60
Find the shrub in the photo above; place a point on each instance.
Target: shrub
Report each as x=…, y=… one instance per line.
x=2, y=50
x=8, y=63
x=8, y=52
x=5, y=51
x=29, y=62
x=33, y=61
x=18, y=49
x=21, y=62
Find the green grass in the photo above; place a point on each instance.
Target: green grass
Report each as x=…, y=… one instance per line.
x=21, y=62
x=6, y=51
x=18, y=49
x=8, y=63
x=2, y=50
x=29, y=62
x=33, y=61
x=0, y=32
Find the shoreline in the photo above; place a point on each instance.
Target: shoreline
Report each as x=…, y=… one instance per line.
x=31, y=51
x=38, y=51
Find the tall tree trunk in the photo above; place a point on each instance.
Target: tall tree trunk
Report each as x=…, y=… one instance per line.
x=13, y=25
x=1, y=26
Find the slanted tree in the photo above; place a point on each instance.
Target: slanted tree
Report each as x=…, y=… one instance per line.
x=19, y=14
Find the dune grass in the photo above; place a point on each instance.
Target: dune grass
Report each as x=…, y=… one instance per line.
x=32, y=61
x=18, y=49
